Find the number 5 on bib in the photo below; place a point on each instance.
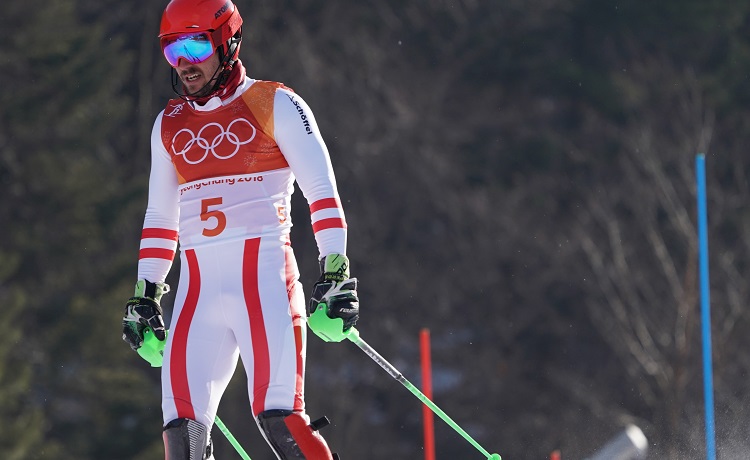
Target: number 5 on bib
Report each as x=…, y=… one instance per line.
x=221, y=218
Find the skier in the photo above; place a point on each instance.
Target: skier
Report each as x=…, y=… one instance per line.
x=224, y=158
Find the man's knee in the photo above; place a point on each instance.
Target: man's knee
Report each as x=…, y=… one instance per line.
x=186, y=439
x=292, y=437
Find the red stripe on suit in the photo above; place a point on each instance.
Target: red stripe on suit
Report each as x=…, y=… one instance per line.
x=261, y=358
x=156, y=253
x=162, y=233
x=325, y=203
x=178, y=356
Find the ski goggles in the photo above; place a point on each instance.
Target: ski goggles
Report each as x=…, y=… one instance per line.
x=194, y=48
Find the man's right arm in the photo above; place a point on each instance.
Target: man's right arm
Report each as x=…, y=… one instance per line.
x=159, y=237
x=157, y=250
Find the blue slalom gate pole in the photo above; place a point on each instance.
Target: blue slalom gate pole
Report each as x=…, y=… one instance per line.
x=708, y=385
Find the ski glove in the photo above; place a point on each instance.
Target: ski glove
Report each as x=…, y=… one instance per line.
x=334, y=307
x=143, y=311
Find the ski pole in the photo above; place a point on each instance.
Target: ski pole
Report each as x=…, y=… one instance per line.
x=152, y=351
x=223, y=428
x=353, y=336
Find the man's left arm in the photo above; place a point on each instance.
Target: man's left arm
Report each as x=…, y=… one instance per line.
x=334, y=306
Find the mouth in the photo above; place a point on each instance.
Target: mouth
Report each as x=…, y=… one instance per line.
x=190, y=77
x=194, y=81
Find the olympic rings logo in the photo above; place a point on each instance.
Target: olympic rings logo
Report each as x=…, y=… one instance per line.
x=210, y=147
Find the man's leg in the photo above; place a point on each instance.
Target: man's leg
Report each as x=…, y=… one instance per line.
x=199, y=358
x=272, y=336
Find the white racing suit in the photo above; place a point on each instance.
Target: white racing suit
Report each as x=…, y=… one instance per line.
x=221, y=180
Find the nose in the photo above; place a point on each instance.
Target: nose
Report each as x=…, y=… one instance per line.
x=183, y=64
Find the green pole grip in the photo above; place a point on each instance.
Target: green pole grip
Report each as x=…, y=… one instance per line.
x=152, y=349
x=327, y=328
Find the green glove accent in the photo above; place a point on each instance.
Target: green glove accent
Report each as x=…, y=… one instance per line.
x=328, y=329
x=159, y=290
x=152, y=349
x=334, y=267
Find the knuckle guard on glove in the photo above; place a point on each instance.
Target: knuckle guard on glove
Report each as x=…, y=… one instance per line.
x=345, y=305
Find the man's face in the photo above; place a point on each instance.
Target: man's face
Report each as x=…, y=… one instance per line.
x=196, y=76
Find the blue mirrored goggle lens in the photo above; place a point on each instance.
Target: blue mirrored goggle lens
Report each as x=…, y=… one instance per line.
x=194, y=48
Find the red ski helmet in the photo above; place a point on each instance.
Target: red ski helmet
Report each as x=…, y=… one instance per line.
x=219, y=19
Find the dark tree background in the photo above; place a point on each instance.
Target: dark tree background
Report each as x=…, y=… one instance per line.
x=518, y=177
